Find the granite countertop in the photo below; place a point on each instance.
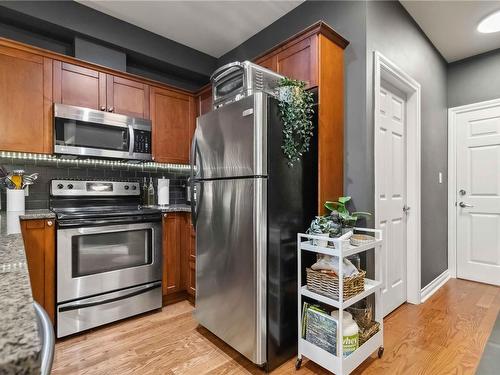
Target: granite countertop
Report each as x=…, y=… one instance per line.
x=19, y=340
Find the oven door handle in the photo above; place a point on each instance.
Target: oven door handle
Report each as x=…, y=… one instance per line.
x=137, y=291
x=131, y=140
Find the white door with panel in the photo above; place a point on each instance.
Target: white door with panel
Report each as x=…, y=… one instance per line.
x=478, y=195
x=391, y=192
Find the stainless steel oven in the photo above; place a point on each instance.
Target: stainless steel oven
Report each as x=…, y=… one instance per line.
x=96, y=259
x=109, y=253
x=89, y=133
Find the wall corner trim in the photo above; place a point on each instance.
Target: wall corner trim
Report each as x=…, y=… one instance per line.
x=431, y=288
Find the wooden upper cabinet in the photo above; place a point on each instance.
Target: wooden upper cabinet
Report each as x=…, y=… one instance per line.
x=127, y=97
x=39, y=244
x=25, y=101
x=316, y=56
x=204, y=100
x=297, y=60
x=84, y=87
x=79, y=86
x=269, y=62
x=173, y=118
x=300, y=61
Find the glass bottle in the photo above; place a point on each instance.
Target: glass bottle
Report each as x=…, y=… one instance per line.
x=151, y=193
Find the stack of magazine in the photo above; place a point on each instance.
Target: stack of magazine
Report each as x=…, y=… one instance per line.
x=319, y=328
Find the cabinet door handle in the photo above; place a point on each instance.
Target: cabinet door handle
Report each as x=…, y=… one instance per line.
x=103, y=107
x=49, y=223
x=111, y=109
x=165, y=215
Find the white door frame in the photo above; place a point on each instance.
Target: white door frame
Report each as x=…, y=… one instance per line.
x=386, y=70
x=452, y=176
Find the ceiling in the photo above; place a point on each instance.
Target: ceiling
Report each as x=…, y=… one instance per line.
x=451, y=26
x=213, y=27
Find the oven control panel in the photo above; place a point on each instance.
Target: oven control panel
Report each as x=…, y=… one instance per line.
x=93, y=188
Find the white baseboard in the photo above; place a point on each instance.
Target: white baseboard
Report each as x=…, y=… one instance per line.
x=434, y=286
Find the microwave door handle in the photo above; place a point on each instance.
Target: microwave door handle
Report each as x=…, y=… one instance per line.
x=136, y=292
x=131, y=140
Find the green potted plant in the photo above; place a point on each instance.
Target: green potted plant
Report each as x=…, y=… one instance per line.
x=339, y=211
x=295, y=110
x=323, y=226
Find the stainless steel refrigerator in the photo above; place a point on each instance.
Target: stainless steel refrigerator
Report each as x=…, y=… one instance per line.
x=248, y=209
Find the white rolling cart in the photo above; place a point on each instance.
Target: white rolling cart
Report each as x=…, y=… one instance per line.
x=340, y=365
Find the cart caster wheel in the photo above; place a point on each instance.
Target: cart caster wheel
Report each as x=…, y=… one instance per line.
x=298, y=363
x=380, y=352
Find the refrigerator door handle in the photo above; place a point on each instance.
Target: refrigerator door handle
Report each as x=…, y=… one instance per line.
x=192, y=155
x=192, y=162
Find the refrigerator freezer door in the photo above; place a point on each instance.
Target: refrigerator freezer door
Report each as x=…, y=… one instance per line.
x=232, y=140
x=231, y=263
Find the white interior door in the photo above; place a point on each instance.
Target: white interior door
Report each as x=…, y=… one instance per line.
x=390, y=181
x=478, y=195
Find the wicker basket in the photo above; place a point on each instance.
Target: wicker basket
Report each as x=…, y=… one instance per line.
x=328, y=284
x=366, y=333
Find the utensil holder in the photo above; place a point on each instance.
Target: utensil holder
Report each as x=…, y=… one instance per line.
x=15, y=200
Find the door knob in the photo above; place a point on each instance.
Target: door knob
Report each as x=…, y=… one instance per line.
x=462, y=192
x=465, y=205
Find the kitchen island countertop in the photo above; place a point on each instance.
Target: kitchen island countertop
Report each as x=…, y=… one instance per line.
x=19, y=340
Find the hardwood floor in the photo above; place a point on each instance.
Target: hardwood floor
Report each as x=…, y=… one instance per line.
x=446, y=335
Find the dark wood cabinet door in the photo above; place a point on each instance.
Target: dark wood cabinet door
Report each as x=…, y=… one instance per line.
x=39, y=244
x=171, y=254
x=300, y=61
x=173, y=118
x=127, y=97
x=269, y=62
x=79, y=86
x=191, y=282
x=25, y=101
x=205, y=101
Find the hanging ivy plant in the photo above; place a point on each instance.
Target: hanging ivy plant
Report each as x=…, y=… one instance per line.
x=296, y=110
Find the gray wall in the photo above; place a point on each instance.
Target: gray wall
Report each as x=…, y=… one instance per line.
x=55, y=24
x=386, y=27
x=474, y=79
x=348, y=19
x=391, y=31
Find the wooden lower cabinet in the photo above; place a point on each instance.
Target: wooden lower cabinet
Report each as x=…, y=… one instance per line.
x=191, y=282
x=39, y=245
x=178, y=261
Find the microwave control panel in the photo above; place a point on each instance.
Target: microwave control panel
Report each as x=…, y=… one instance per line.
x=142, y=141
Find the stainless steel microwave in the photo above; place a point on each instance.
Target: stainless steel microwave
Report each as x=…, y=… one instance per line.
x=238, y=80
x=90, y=133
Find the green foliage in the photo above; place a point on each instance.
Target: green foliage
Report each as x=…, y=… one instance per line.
x=296, y=110
x=348, y=219
x=324, y=224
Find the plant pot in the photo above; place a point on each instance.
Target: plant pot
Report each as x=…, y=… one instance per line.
x=347, y=229
x=321, y=243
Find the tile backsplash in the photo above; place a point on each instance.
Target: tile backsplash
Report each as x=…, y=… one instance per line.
x=50, y=169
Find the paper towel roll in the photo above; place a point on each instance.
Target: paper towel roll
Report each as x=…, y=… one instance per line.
x=163, y=191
